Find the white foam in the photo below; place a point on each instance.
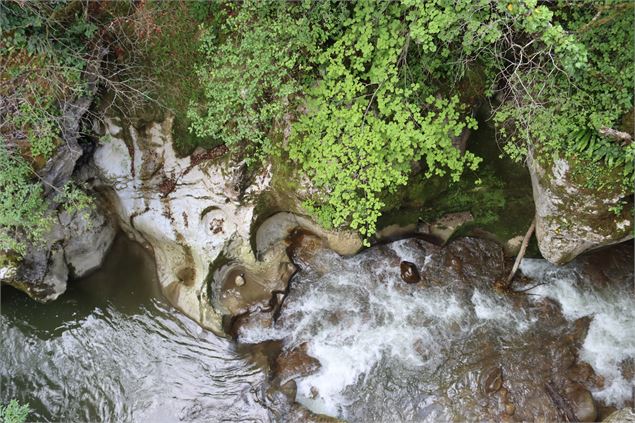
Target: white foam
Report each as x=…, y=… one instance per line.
x=360, y=316
x=611, y=336
x=500, y=310
x=352, y=319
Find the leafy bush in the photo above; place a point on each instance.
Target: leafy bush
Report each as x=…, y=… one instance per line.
x=14, y=412
x=248, y=74
x=42, y=57
x=564, y=112
x=23, y=210
x=367, y=123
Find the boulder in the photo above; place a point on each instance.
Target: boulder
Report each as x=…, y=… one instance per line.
x=197, y=213
x=625, y=415
x=409, y=272
x=445, y=227
x=295, y=363
x=582, y=403
x=191, y=211
x=572, y=218
x=75, y=245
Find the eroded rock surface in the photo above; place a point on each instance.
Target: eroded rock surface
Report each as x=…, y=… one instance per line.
x=76, y=245
x=571, y=218
x=196, y=214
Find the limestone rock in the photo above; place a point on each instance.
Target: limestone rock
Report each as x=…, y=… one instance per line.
x=75, y=245
x=447, y=225
x=571, y=218
x=87, y=240
x=625, y=415
x=187, y=211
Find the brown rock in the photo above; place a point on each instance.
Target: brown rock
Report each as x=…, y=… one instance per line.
x=510, y=409
x=580, y=372
x=581, y=402
x=409, y=272
x=295, y=363
x=493, y=381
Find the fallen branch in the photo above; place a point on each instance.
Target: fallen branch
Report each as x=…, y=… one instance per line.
x=624, y=137
x=521, y=253
x=561, y=404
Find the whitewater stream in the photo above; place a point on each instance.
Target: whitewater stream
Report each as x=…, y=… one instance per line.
x=446, y=348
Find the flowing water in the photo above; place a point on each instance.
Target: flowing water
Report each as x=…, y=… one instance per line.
x=448, y=348
x=111, y=349
x=391, y=351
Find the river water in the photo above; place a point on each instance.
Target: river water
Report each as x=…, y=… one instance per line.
x=448, y=348
x=112, y=349
x=432, y=351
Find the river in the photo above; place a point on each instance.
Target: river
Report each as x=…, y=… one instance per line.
x=112, y=349
x=448, y=348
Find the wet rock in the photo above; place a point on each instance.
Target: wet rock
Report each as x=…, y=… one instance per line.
x=278, y=227
x=510, y=409
x=290, y=389
x=492, y=381
x=580, y=372
x=472, y=260
x=625, y=415
x=582, y=403
x=572, y=219
x=447, y=225
x=395, y=231
x=295, y=363
x=239, y=280
x=531, y=340
x=409, y=272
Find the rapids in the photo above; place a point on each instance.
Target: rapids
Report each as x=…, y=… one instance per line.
x=447, y=348
x=450, y=348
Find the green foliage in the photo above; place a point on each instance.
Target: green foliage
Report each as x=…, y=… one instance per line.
x=485, y=199
x=74, y=199
x=248, y=74
x=42, y=56
x=168, y=56
x=14, y=412
x=561, y=111
x=23, y=210
x=367, y=123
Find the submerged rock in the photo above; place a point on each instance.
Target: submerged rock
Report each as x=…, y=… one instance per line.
x=388, y=350
x=582, y=403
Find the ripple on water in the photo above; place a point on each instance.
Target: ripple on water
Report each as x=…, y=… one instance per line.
x=122, y=355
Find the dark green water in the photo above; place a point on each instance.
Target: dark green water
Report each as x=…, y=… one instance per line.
x=112, y=349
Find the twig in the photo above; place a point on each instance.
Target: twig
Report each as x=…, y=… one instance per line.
x=521, y=253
